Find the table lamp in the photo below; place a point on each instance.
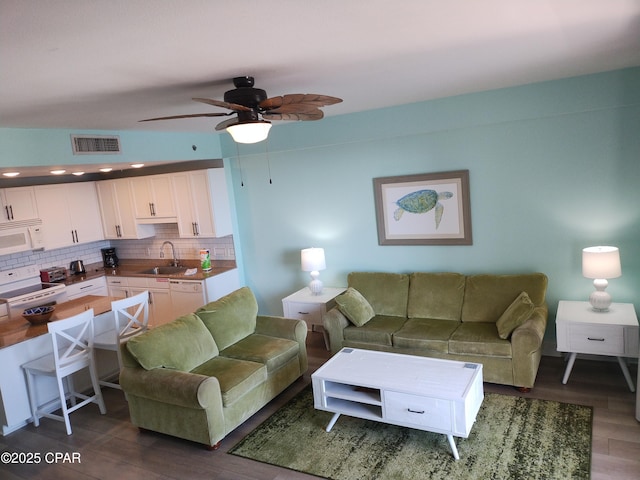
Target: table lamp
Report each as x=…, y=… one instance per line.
x=601, y=263
x=312, y=260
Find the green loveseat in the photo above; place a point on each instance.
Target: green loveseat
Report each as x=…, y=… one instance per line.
x=496, y=320
x=205, y=373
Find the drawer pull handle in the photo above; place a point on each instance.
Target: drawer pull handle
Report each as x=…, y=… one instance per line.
x=595, y=339
x=415, y=411
x=303, y=313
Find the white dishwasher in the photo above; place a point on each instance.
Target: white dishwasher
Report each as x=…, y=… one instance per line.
x=186, y=296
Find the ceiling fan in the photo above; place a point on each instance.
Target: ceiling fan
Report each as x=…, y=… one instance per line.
x=253, y=110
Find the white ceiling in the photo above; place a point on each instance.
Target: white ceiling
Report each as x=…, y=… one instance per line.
x=91, y=64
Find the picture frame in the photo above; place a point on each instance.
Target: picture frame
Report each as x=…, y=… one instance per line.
x=424, y=209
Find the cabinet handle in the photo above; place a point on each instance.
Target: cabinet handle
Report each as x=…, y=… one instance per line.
x=76, y=232
x=420, y=412
x=595, y=339
x=118, y=230
x=153, y=209
x=7, y=210
x=11, y=210
x=150, y=298
x=303, y=313
x=197, y=228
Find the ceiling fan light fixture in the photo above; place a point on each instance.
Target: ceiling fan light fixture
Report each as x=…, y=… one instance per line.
x=250, y=132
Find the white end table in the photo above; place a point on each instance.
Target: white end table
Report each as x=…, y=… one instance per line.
x=580, y=329
x=304, y=305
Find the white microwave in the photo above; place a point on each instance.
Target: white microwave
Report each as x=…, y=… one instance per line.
x=20, y=239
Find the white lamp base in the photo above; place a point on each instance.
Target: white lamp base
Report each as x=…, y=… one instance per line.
x=315, y=285
x=600, y=300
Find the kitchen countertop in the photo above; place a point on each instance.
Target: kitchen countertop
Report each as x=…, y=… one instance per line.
x=133, y=267
x=16, y=331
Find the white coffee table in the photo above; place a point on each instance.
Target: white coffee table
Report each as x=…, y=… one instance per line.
x=440, y=396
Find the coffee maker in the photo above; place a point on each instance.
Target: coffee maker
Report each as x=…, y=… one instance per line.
x=109, y=257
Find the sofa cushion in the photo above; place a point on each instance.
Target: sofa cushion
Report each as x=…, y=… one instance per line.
x=427, y=334
x=271, y=351
x=486, y=297
x=477, y=338
x=386, y=292
x=230, y=318
x=436, y=295
x=515, y=315
x=179, y=345
x=355, y=307
x=236, y=377
x=379, y=330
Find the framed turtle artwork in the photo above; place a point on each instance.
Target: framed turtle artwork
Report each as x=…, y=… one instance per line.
x=424, y=209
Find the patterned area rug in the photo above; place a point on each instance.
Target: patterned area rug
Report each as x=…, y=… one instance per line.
x=512, y=438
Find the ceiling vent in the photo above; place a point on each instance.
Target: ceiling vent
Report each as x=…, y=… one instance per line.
x=95, y=144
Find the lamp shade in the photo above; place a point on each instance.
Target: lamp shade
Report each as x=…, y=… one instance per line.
x=249, y=132
x=601, y=262
x=312, y=259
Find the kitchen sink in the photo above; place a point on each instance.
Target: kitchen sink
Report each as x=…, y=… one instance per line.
x=164, y=271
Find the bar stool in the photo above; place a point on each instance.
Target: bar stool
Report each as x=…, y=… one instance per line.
x=72, y=340
x=125, y=326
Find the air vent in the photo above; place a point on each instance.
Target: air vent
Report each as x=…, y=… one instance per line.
x=92, y=144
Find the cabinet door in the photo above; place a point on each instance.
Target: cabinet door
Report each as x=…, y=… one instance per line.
x=160, y=305
x=116, y=207
x=82, y=204
x=153, y=197
x=56, y=221
x=18, y=204
x=109, y=209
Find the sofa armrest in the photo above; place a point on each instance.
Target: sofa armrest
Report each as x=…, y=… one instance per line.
x=173, y=387
x=289, y=328
x=334, y=323
x=526, y=347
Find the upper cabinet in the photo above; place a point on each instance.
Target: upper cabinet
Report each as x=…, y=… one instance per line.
x=116, y=207
x=70, y=214
x=153, y=199
x=202, y=203
x=18, y=204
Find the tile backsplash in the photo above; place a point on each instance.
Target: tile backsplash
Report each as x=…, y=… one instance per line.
x=148, y=248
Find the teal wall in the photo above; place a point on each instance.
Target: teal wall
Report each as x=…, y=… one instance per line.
x=34, y=147
x=554, y=167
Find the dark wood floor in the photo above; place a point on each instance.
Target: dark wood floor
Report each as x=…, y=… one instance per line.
x=109, y=447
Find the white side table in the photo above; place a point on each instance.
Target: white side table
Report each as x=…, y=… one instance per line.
x=580, y=329
x=306, y=306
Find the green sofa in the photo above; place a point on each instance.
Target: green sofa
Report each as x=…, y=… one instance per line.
x=496, y=320
x=203, y=374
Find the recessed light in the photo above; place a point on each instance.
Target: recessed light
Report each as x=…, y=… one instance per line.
x=106, y=169
x=11, y=174
x=137, y=165
x=77, y=174
x=57, y=172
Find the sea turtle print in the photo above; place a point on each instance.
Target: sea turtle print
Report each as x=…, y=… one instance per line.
x=422, y=201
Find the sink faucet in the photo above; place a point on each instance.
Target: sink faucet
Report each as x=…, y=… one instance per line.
x=174, y=262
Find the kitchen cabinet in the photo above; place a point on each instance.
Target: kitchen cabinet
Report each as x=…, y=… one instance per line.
x=96, y=286
x=116, y=208
x=153, y=199
x=159, y=298
x=18, y=204
x=202, y=203
x=118, y=287
x=70, y=214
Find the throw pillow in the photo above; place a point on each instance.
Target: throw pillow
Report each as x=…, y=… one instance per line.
x=355, y=307
x=515, y=315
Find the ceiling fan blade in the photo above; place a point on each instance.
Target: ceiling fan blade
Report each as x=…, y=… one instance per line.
x=295, y=108
x=314, y=115
x=227, y=123
x=187, y=116
x=297, y=98
x=219, y=103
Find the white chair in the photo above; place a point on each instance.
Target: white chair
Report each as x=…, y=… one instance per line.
x=131, y=318
x=72, y=340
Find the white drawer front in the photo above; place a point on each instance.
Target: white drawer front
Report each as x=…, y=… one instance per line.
x=596, y=339
x=312, y=314
x=419, y=411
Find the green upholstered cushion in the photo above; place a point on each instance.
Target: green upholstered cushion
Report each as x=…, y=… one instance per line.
x=355, y=307
x=436, y=295
x=428, y=334
x=236, y=377
x=274, y=352
x=379, y=330
x=486, y=297
x=386, y=292
x=479, y=338
x=515, y=315
x=179, y=345
x=230, y=318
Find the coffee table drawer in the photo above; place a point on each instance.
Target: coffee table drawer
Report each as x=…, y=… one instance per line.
x=423, y=412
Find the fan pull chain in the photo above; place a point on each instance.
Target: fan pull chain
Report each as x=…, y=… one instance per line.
x=239, y=164
x=268, y=162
